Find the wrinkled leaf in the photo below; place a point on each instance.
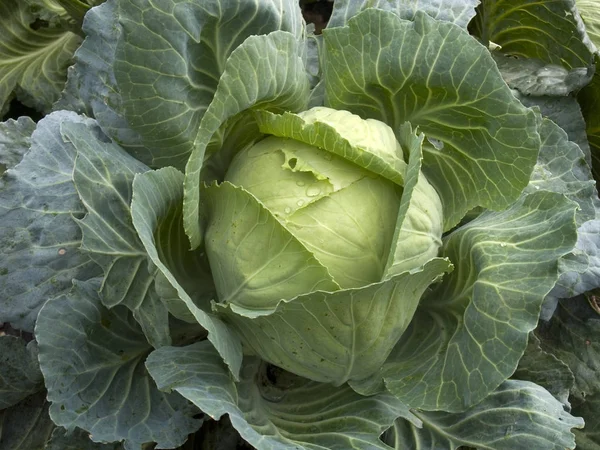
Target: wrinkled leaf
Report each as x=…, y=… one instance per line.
x=15, y=139
x=103, y=176
x=79, y=439
x=572, y=336
x=566, y=113
x=276, y=410
x=518, y=415
x=20, y=374
x=33, y=62
x=423, y=72
x=535, y=77
x=562, y=168
x=26, y=425
x=157, y=213
x=184, y=47
x=545, y=370
x=549, y=31
x=461, y=344
x=92, y=359
x=39, y=240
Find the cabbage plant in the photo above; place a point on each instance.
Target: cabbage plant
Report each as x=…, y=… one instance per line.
x=336, y=241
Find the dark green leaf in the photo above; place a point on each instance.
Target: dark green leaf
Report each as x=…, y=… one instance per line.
x=566, y=113
x=26, y=425
x=273, y=409
x=573, y=336
x=39, y=240
x=79, y=439
x=103, y=176
x=546, y=370
x=33, y=63
x=15, y=139
x=20, y=374
x=589, y=437
x=92, y=359
x=470, y=332
x=519, y=415
x=423, y=72
x=549, y=31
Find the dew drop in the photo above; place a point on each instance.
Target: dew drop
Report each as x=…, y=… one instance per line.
x=300, y=183
x=503, y=244
x=328, y=156
x=537, y=188
x=287, y=210
x=313, y=191
x=300, y=203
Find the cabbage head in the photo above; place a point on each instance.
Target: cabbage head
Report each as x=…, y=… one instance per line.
x=329, y=231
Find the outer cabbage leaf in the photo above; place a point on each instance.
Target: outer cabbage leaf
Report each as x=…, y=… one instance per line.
x=39, y=240
x=535, y=77
x=185, y=46
x=91, y=87
x=566, y=113
x=393, y=70
x=157, y=213
x=562, y=168
x=589, y=437
x=61, y=439
x=288, y=413
x=20, y=374
x=26, y=425
x=469, y=333
x=92, y=359
x=103, y=176
x=15, y=139
x=572, y=336
x=33, y=62
x=517, y=415
x=459, y=12
x=545, y=370
x=552, y=32
x=154, y=109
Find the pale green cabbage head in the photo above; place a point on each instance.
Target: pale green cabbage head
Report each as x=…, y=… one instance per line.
x=326, y=205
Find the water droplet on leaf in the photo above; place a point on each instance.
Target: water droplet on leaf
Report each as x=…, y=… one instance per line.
x=313, y=191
